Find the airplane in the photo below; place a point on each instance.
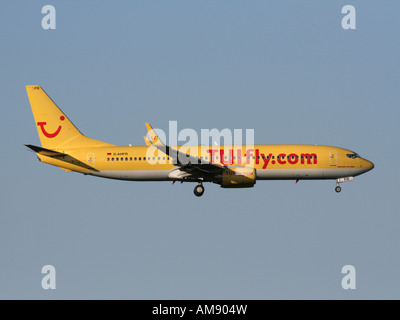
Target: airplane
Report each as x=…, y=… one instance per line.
x=236, y=166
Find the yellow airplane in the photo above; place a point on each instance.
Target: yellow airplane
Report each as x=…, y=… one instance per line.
x=237, y=166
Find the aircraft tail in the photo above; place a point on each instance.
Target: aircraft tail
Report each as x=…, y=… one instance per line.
x=54, y=128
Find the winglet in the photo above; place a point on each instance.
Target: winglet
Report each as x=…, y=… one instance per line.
x=154, y=139
x=148, y=142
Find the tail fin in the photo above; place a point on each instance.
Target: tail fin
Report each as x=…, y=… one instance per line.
x=54, y=128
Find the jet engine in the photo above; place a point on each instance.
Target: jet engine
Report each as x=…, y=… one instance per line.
x=238, y=177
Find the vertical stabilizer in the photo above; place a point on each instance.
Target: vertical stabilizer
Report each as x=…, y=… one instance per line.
x=54, y=128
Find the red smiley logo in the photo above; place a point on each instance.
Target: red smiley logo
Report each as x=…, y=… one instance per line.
x=50, y=135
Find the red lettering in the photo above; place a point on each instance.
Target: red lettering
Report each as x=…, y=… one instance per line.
x=249, y=154
x=308, y=156
x=230, y=157
x=212, y=153
x=292, y=158
x=280, y=157
x=266, y=159
x=239, y=156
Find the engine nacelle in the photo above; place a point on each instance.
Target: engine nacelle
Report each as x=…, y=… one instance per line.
x=238, y=177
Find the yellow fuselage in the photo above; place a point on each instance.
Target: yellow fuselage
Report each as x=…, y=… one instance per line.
x=270, y=161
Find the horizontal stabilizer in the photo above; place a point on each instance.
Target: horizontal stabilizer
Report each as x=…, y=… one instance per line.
x=60, y=156
x=44, y=151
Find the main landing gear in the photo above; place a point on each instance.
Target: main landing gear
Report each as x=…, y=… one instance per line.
x=199, y=190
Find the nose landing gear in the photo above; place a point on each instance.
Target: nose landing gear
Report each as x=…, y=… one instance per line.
x=338, y=181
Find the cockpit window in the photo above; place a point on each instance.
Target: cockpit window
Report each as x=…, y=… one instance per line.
x=353, y=155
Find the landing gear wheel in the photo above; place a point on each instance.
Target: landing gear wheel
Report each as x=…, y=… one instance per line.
x=199, y=190
x=338, y=189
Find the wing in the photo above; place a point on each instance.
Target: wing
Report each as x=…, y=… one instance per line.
x=185, y=162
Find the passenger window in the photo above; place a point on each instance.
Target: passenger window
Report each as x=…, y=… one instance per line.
x=140, y=158
x=117, y=159
x=108, y=159
x=112, y=159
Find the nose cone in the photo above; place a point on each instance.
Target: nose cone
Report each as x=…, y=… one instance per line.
x=368, y=165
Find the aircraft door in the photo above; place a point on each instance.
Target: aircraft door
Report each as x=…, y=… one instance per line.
x=90, y=159
x=332, y=158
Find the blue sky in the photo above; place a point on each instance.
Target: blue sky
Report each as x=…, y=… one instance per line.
x=286, y=69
